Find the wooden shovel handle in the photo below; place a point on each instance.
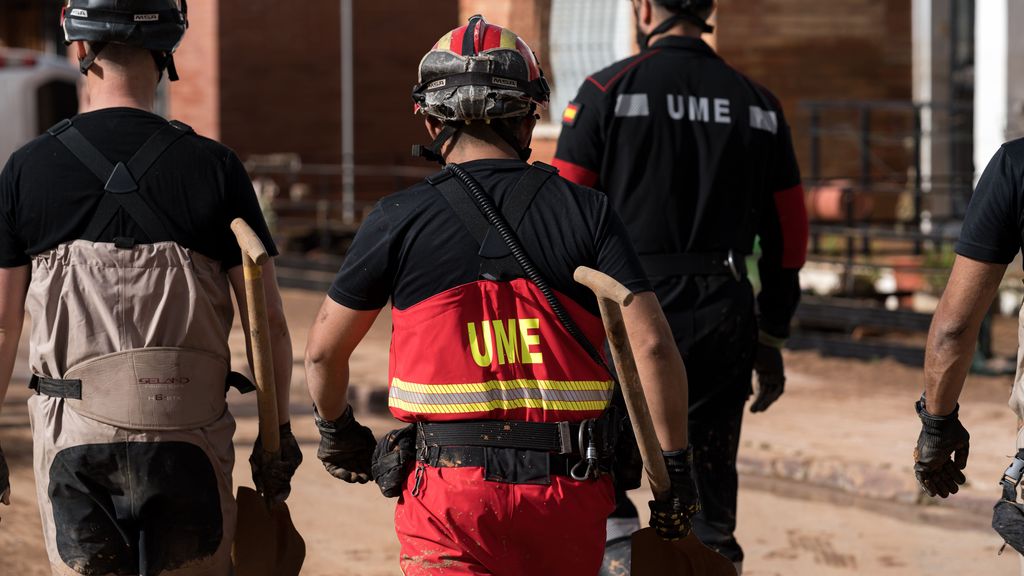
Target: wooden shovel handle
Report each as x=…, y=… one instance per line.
x=253, y=256
x=611, y=297
x=249, y=242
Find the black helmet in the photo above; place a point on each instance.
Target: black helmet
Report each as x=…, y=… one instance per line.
x=156, y=25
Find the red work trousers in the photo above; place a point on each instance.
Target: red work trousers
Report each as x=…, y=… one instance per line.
x=460, y=524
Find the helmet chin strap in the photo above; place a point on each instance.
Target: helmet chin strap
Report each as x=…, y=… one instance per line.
x=510, y=138
x=432, y=152
x=671, y=21
x=90, y=57
x=163, y=61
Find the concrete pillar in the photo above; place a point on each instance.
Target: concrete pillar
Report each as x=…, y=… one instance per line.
x=990, y=79
x=930, y=27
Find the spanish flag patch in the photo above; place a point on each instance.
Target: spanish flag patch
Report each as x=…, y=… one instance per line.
x=572, y=112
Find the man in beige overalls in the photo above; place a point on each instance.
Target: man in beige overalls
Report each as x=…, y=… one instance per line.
x=114, y=233
x=991, y=237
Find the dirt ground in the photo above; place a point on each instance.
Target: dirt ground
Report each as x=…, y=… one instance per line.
x=826, y=486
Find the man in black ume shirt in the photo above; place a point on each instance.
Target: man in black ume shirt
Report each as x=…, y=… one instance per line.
x=698, y=161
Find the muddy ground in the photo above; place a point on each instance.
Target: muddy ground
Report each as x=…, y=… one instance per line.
x=826, y=487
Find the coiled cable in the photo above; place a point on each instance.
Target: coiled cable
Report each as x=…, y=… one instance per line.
x=497, y=220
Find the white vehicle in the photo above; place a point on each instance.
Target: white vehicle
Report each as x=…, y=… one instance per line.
x=36, y=91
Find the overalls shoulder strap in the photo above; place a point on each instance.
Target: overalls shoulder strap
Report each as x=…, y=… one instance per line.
x=121, y=181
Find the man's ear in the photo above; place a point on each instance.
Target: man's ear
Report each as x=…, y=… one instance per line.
x=646, y=12
x=433, y=126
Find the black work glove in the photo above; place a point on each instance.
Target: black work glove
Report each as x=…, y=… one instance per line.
x=670, y=515
x=771, y=376
x=346, y=447
x=941, y=437
x=5, y=480
x=272, y=473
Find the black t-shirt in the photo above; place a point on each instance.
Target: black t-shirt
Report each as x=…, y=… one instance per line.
x=198, y=186
x=696, y=158
x=993, y=229
x=413, y=246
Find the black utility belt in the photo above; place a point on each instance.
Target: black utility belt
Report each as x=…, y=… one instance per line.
x=559, y=437
x=695, y=264
x=519, y=452
x=508, y=465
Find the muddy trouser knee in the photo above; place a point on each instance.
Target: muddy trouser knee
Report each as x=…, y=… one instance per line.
x=120, y=501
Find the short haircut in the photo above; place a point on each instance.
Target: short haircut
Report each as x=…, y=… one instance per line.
x=123, y=56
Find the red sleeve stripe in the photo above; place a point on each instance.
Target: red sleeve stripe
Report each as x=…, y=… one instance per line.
x=795, y=229
x=575, y=172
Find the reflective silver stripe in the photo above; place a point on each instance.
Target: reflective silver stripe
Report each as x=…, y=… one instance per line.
x=579, y=395
x=762, y=119
x=632, y=105
x=513, y=394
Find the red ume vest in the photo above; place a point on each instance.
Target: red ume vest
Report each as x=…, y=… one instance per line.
x=494, y=350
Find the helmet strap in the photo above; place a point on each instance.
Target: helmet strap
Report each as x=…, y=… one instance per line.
x=507, y=134
x=674, y=19
x=90, y=57
x=165, y=61
x=432, y=152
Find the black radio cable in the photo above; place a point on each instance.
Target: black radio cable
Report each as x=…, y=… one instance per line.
x=497, y=220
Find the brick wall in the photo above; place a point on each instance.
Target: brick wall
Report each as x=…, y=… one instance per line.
x=391, y=38
x=265, y=78
x=195, y=99
x=280, y=78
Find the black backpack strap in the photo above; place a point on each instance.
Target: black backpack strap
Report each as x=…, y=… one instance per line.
x=121, y=180
x=498, y=261
x=525, y=191
x=514, y=209
x=462, y=205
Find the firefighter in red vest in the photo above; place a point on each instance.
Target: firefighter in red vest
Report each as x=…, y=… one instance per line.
x=495, y=362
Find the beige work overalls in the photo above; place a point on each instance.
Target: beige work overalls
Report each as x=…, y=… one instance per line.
x=144, y=331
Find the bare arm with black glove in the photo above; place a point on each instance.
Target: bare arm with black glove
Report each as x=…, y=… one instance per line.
x=663, y=378
x=272, y=473
x=13, y=289
x=943, y=444
x=346, y=446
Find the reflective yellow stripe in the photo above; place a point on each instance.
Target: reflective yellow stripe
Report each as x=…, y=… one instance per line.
x=508, y=39
x=494, y=405
x=571, y=385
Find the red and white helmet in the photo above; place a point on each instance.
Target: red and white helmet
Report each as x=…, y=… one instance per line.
x=480, y=72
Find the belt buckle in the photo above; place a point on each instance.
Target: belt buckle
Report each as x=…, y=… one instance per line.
x=730, y=262
x=564, y=438
x=1014, y=471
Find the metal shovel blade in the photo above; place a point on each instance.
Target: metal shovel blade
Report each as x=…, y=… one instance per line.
x=652, y=556
x=266, y=542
